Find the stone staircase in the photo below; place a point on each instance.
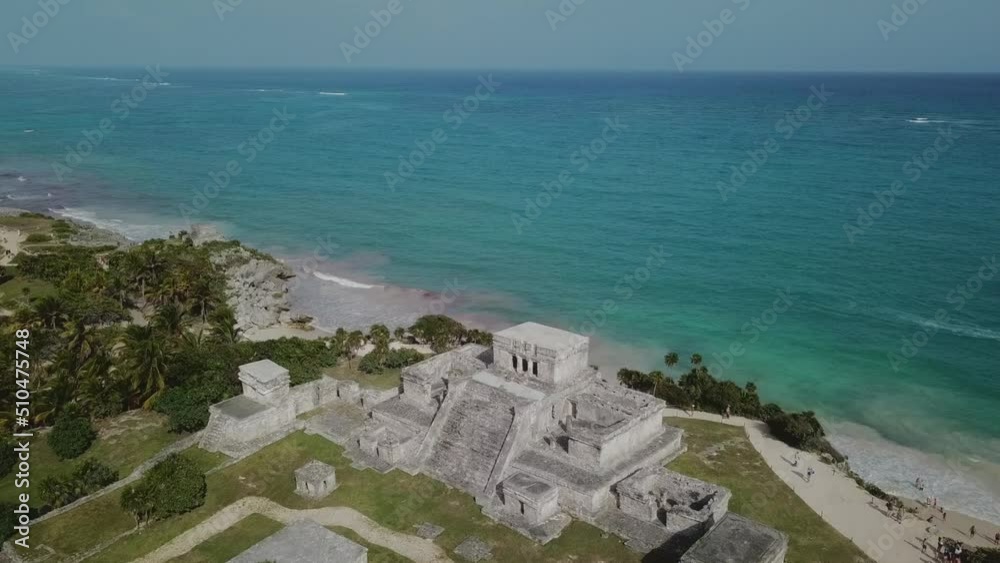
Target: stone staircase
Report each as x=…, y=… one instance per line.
x=472, y=436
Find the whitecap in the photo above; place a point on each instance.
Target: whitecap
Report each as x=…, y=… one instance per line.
x=22, y=179
x=344, y=281
x=960, y=329
x=29, y=130
x=333, y=93
x=925, y=120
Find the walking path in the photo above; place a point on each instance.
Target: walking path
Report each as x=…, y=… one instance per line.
x=849, y=508
x=412, y=547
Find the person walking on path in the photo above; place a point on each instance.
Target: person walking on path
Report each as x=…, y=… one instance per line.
x=972, y=531
x=996, y=538
x=809, y=474
x=795, y=459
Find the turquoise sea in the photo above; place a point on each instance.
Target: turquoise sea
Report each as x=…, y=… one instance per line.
x=604, y=203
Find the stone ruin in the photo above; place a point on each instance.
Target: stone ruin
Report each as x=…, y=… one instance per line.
x=527, y=427
x=315, y=480
x=304, y=541
x=739, y=540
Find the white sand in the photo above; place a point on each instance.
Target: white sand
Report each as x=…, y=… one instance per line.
x=850, y=509
x=10, y=241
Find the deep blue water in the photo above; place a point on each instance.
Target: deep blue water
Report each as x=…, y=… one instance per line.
x=650, y=185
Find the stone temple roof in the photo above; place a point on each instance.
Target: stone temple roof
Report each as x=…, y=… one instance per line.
x=544, y=336
x=529, y=487
x=314, y=471
x=240, y=407
x=303, y=542
x=737, y=540
x=264, y=371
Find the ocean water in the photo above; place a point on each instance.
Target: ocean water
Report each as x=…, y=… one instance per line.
x=602, y=203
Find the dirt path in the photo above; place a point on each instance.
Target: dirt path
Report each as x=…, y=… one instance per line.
x=10, y=245
x=412, y=547
x=847, y=507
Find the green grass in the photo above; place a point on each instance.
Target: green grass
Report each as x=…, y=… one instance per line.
x=232, y=542
x=124, y=442
x=722, y=454
x=385, y=380
x=395, y=500
x=12, y=291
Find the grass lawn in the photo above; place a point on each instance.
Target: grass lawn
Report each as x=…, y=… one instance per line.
x=395, y=500
x=12, y=291
x=95, y=522
x=385, y=380
x=232, y=542
x=123, y=443
x=722, y=454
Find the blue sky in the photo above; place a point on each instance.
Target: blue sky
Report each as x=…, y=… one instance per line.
x=779, y=35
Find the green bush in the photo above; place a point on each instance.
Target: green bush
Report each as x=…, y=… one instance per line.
x=72, y=434
x=187, y=409
x=983, y=555
x=88, y=477
x=377, y=362
x=304, y=359
x=37, y=238
x=173, y=486
x=7, y=457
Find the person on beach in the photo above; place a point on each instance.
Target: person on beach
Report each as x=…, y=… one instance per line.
x=795, y=459
x=996, y=538
x=923, y=545
x=972, y=531
x=729, y=412
x=944, y=515
x=809, y=474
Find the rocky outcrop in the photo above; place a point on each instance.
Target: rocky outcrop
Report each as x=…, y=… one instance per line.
x=256, y=286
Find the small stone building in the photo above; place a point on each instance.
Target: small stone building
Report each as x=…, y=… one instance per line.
x=315, y=480
x=739, y=540
x=529, y=500
x=304, y=542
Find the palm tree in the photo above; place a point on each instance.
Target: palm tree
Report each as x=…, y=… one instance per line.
x=671, y=359
x=52, y=310
x=354, y=341
x=170, y=320
x=696, y=359
x=146, y=359
x=224, y=329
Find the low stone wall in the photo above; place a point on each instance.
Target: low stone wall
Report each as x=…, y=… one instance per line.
x=372, y=397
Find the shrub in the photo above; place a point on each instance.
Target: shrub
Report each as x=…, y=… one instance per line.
x=983, y=555
x=186, y=408
x=88, y=477
x=377, y=362
x=177, y=486
x=7, y=520
x=37, y=238
x=304, y=359
x=7, y=457
x=72, y=434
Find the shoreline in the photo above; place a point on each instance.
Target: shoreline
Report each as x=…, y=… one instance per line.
x=359, y=305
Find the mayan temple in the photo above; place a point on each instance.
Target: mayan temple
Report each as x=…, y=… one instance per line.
x=528, y=427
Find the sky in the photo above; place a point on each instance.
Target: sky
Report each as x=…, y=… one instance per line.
x=757, y=35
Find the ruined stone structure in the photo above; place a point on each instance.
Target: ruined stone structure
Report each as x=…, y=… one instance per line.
x=739, y=540
x=304, y=542
x=315, y=480
x=538, y=437
x=267, y=409
x=526, y=426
